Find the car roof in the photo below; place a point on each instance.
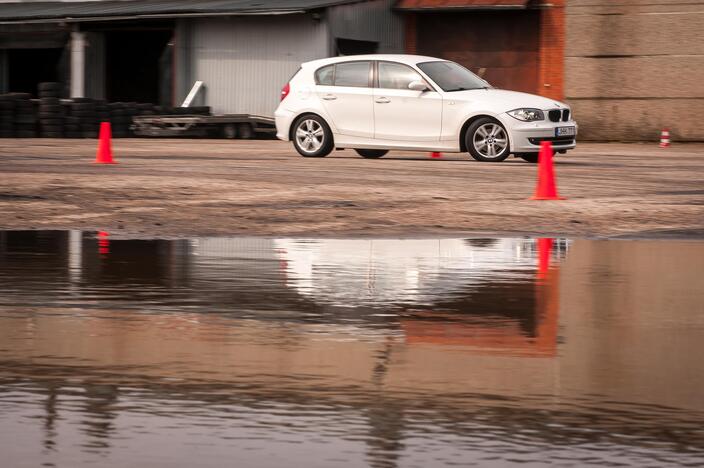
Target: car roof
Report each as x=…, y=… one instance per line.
x=401, y=58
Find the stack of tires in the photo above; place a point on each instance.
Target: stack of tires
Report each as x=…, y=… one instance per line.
x=145, y=109
x=72, y=123
x=102, y=112
x=7, y=116
x=119, y=119
x=51, y=113
x=84, y=110
x=26, y=116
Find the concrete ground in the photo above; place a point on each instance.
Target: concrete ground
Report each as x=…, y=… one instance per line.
x=176, y=188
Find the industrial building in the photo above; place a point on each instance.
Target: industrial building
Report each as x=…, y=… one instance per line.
x=628, y=69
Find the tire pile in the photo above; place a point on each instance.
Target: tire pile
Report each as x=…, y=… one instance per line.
x=18, y=116
x=53, y=117
x=51, y=112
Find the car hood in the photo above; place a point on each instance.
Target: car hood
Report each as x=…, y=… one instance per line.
x=503, y=101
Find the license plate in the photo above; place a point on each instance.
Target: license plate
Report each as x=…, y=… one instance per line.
x=564, y=131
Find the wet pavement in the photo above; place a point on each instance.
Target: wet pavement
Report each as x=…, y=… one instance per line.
x=260, y=352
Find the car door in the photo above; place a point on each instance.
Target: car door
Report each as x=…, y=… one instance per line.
x=345, y=91
x=401, y=113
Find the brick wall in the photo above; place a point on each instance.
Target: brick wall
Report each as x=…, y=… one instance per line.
x=633, y=67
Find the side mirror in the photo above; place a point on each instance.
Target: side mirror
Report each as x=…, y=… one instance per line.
x=417, y=86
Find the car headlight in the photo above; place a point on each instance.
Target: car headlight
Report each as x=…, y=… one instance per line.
x=527, y=115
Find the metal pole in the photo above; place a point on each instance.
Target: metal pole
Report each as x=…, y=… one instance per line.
x=78, y=64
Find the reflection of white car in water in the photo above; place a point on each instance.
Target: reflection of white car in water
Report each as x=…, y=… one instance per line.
x=387, y=271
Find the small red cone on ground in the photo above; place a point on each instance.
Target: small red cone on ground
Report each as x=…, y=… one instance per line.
x=544, y=251
x=104, y=154
x=665, y=138
x=546, y=189
x=103, y=243
x=435, y=155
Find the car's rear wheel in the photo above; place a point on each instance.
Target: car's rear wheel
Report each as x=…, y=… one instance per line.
x=371, y=153
x=487, y=140
x=529, y=157
x=312, y=137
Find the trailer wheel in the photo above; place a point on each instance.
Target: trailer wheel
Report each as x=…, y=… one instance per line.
x=229, y=131
x=245, y=131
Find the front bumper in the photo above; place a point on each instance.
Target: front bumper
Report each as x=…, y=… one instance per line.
x=284, y=120
x=526, y=137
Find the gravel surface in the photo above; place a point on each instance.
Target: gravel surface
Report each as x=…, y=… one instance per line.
x=183, y=188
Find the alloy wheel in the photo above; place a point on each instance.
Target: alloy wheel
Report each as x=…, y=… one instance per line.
x=490, y=140
x=310, y=136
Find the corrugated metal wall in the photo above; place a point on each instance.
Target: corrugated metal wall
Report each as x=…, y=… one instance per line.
x=369, y=21
x=244, y=61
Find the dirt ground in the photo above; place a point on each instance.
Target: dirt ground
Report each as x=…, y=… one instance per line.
x=181, y=188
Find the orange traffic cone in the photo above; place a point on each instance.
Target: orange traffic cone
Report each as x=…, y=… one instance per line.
x=435, y=155
x=546, y=188
x=104, y=154
x=665, y=138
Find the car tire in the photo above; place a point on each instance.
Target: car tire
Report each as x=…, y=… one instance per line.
x=315, y=137
x=371, y=153
x=229, y=131
x=487, y=140
x=245, y=131
x=529, y=157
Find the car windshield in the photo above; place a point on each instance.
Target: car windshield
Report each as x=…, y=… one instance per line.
x=451, y=76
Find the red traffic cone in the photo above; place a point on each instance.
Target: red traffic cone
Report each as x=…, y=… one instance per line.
x=665, y=138
x=546, y=188
x=435, y=155
x=104, y=154
x=103, y=242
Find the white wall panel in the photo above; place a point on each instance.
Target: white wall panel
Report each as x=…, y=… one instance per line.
x=244, y=61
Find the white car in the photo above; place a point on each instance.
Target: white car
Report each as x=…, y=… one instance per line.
x=377, y=103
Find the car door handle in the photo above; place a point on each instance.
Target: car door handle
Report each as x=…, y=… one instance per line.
x=330, y=97
x=383, y=100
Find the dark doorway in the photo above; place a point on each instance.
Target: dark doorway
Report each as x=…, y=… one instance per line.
x=136, y=65
x=29, y=67
x=355, y=47
x=501, y=47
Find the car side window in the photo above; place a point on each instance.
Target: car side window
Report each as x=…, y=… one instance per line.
x=325, y=76
x=354, y=74
x=396, y=76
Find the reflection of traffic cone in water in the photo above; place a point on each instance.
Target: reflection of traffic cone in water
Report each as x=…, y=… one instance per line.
x=103, y=243
x=665, y=138
x=435, y=155
x=546, y=188
x=104, y=154
x=544, y=251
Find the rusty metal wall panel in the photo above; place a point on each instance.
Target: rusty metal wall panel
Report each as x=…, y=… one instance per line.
x=244, y=61
x=502, y=47
x=369, y=21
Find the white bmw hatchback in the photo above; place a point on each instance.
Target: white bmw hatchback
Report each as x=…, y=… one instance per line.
x=377, y=103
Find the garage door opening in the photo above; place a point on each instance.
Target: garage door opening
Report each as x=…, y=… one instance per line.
x=502, y=47
x=29, y=67
x=138, y=66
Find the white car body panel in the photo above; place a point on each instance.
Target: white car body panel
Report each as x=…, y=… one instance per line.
x=432, y=120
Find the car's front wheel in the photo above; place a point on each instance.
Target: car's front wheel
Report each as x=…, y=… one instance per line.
x=312, y=137
x=487, y=140
x=371, y=153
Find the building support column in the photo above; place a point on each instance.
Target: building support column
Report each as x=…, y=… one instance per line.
x=552, y=51
x=78, y=64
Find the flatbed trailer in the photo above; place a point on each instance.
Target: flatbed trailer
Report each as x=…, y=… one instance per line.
x=243, y=126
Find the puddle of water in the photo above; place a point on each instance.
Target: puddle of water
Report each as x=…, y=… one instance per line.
x=350, y=352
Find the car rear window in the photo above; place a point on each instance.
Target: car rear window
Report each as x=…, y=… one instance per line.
x=324, y=76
